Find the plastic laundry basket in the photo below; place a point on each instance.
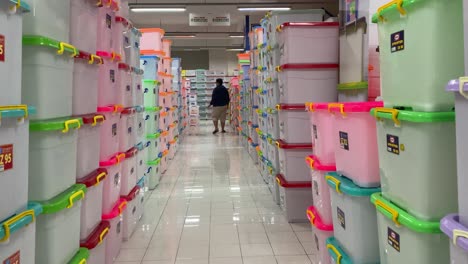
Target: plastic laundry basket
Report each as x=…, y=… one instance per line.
x=96, y=243
x=127, y=136
x=321, y=126
x=457, y=233
x=300, y=83
x=110, y=131
x=404, y=43
x=355, y=142
x=321, y=233
x=353, y=92
x=411, y=153
x=153, y=173
x=83, y=25
x=88, y=148
x=320, y=190
x=403, y=238
x=291, y=120
x=151, y=39
x=124, y=85
x=354, y=216
x=297, y=38
x=91, y=208
x=48, y=18
x=11, y=27
x=17, y=235
x=129, y=175
x=58, y=228
x=149, y=64
x=85, y=83
x=107, y=85
x=130, y=216
x=291, y=160
x=14, y=141
x=294, y=198
x=336, y=252
x=113, y=182
x=48, y=76
x=114, y=238
x=53, y=152
x=150, y=92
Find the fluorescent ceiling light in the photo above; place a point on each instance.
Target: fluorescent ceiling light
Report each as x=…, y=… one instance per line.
x=180, y=36
x=236, y=36
x=157, y=9
x=263, y=8
x=235, y=49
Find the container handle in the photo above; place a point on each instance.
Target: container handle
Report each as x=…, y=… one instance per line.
x=337, y=253
x=64, y=45
x=93, y=57
x=279, y=28
x=83, y=261
x=99, y=3
x=103, y=234
x=310, y=161
x=74, y=196
x=278, y=69
x=69, y=122
x=338, y=105
x=118, y=108
x=98, y=118
x=398, y=3
x=100, y=177
x=392, y=111
x=461, y=84
x=311, y=216
x=122, y=207
x=14, y=219
x=16, y=107
x=387, y=208
x=336, y=182
x=120, y=157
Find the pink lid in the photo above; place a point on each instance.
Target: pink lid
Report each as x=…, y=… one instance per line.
x=307, y=66
x=117, y=210
x=314, y=163
x=312, y=107
x=123, y=66
x=353, y=107
x=310, y=24
x=316, y=220
x=119, y=157
x=110, y=109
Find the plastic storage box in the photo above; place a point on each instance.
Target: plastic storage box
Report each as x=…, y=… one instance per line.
x=167, y=65
x=353, y=48
x=404, y=238
x=18, y=234
x=152, y=119
x=107, y=94
x=121, y=29
x=114, y=238
x=141, y=159
x=353, y=92
x=401, y=58
x=291, y=120
x=149, y=64
x=336, y=252
x=291, y=160
x=11, y=27
x=83, y=25
x=294, y=197
x=296, y=38
x=53, y=152
x=129, y=175
x=113, y=182
x=105, y=25
x=153, y=173
x=300, y=83
x=47, y=71
x=88, y=148
x=14, y=173
x=58, y=228
x=85, y=83
x=137, y=86
x=320, y=190
x=131, y=215
x=41, y=22
x=150, y=92
x=153, y=145
x=91, y=208
x=140, y=124
x=124, y=85
x=411, y=153
x=354, y=216
x=457, y=233
x=151, y=39
x=321, y=126
x=321, y=233
x=96, y=243
x=110, y=131
x=127, y=136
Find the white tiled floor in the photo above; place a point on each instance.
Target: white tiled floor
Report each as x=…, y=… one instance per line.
x=213, y=207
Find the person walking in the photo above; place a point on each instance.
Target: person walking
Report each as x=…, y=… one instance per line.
x=220, y=101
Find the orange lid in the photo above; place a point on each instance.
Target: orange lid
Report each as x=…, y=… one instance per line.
x=152, y=52
x=167, y=40
x=152, y=30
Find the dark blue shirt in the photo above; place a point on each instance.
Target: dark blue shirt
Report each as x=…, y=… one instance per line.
x=220, y=96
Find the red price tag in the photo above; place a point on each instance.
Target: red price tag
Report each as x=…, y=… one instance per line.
x=2, y=48
x=6, y=157
x=14, y=259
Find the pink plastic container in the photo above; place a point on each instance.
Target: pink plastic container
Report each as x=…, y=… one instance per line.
x=163, y=99
x=320, y=189
x=85, y=83
x=321, y=126
x=291, y=159
x=109, y=134
x=300, y=83
x=151, y=39
x=91, y=207
x=374, y=73
x=124, y=85
x=321, y=232
x=356, y=152
x=106, y=17
x=291, y=123
x=96, y=243
x=166, y=47
x=120, y=29
x=115, y=236
x=88, y=149
x=112, y=183
x=296, y=40
x=83, y=24
x=166, y=81
x=167, y=65
x=131, y=215
x=137, y=86
x=107, y=78
x=129, y=171
x=127, y=136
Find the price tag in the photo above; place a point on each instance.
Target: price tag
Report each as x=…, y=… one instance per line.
x=13, y=259
x=2, y=48
x=6, y=157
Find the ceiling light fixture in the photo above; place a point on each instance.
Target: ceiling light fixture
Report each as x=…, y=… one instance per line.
x=235, y=49
x=249, y=9
x=158, y=9
x=236, y=36
x=180, y=36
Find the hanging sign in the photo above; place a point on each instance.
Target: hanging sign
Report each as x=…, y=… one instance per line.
x=197, y=20
x=221, y=20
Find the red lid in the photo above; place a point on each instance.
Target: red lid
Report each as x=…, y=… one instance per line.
x=94, y=178
x=307, y=66
x=291, y=185
x=284, y=145
x=133, y=193
x=97, y=236
x=119, y=157
x=122, y=20
x=295, y=107
x=123, y=66
x=312, y=107
x=353, y=107
x=117, y=210
x=93, y=119
x=104, y=54
x=131, y=152
x=314, y=163
x=316, y=220
x=91, y=58
x=129, y=111
x=110, y=109
x=310, y=24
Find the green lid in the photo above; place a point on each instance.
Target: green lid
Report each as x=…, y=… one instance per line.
x=66, y=199
x=22, y=4
x=51, y=43
x=336, y=252
x=153, y=136
x=82, y=254
x=392, y=7
x=154, y=162
x=344, y=185
x=152, y=108
x=64, y=124
x=352, y=86
x=155, y=82
x=16, y=111
x=401, y=217
x=412, y=116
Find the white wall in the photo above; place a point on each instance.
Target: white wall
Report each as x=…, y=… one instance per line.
x=223, y=60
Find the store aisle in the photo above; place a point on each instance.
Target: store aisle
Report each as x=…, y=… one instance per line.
x=213, y=207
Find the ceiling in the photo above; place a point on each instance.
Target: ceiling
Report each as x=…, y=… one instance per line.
x=213, y=37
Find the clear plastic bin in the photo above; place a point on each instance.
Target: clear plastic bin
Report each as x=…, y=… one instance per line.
x=129, y=171
x=110, y=131
x=291, y=120
x=294, y=197
x=115, y=236
x=107, y=82
x=96, y=243
x=321, y=233
x=291, y=160
x=83, y=25
x=130, y=216
x=88, y=148
x=113, y=182
x=85, y=83
x=49, y=18
x=124, y=85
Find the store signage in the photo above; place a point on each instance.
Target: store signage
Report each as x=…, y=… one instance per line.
x=2, y=48
x=221, y=20
x=197, y=20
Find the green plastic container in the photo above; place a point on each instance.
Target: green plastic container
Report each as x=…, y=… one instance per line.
x=418, y=161
x=404, y=238
x=421, y=48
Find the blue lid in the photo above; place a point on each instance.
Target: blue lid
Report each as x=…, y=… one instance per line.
x=344, y=185
x=22, y=4
x=141, y=182
x=336, y=252
x=16, y=111
x=140, y=146
x=20, y=220
x=149, y=57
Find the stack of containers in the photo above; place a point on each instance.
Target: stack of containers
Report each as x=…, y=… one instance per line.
x=416, y=110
